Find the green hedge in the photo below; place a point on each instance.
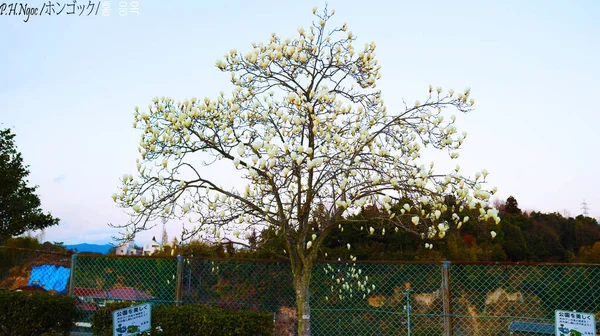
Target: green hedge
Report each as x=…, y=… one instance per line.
x=35, y=314
x=192, y=320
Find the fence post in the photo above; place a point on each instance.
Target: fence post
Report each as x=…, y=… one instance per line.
x=179, y=280
x=72, y=273
x=446, y=298
x=407, y=307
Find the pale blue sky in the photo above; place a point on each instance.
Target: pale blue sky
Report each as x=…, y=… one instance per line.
x=68, y=86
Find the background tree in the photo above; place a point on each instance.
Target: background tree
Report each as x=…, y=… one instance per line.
x=590, y=254
x=24, y=242
x=20, y=209
x=548, y=237
x=308, y=130
x=164, y=238
x=512, y=206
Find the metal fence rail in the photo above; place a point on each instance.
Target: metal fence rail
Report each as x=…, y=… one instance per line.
x=363, y=298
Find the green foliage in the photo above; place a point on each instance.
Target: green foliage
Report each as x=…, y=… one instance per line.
x=590, y=254
x=550, y=284
x=195, y=248
x=19, y=205
x=34, y=314
x=33, y=243
x=265, y=286
x=537, y=237
x=541, y=237
x=514, y=244
x=23, y=242
x=498, y=254
x=200, y=320
x=200, y=249
x=192, y=320
x=512, y=206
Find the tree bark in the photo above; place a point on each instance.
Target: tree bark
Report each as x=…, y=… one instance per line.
x=302, y=289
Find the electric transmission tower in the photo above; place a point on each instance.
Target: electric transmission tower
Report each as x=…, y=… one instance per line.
x=585, y=209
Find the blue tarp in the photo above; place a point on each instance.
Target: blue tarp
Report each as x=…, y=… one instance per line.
x=50, y=277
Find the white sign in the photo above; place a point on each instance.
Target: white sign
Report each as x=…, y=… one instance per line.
x=132, y=320
x=574, y=324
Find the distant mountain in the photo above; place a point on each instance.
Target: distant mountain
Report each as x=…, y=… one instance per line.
x=90, y=248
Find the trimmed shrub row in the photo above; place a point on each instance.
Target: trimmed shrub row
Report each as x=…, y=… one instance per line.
x=34, y=314
x=192, y=320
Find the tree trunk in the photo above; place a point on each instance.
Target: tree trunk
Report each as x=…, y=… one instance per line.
x=302, y=288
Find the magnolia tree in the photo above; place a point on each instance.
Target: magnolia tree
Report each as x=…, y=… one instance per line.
x=307, y=129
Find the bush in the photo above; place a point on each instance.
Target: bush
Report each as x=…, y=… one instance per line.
x=193, y=320
x=202, y=320
x=36, y=313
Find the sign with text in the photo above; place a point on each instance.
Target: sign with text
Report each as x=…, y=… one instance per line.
x=132, y=320
x=574, y=324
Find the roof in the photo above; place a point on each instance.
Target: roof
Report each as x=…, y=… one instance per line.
x=541, y=328
x=90, y=292
x=30, y=289
x=119, y=293
x=129, y=293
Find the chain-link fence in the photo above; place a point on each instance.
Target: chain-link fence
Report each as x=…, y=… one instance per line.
x=363, y=298
x=98, y=280
x=378, y=299
x=368, y=298
x=489, y=299
x=34, y=270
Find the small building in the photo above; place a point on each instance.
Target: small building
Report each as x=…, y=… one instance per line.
x=126, y=249
x=150, y=248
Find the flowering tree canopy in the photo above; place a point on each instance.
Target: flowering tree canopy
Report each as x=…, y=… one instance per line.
x=307, y=128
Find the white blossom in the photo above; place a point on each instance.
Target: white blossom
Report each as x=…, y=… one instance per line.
x=415, y=220
x=307, y=128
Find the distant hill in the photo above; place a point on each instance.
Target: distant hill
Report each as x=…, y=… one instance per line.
x=90, y=248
